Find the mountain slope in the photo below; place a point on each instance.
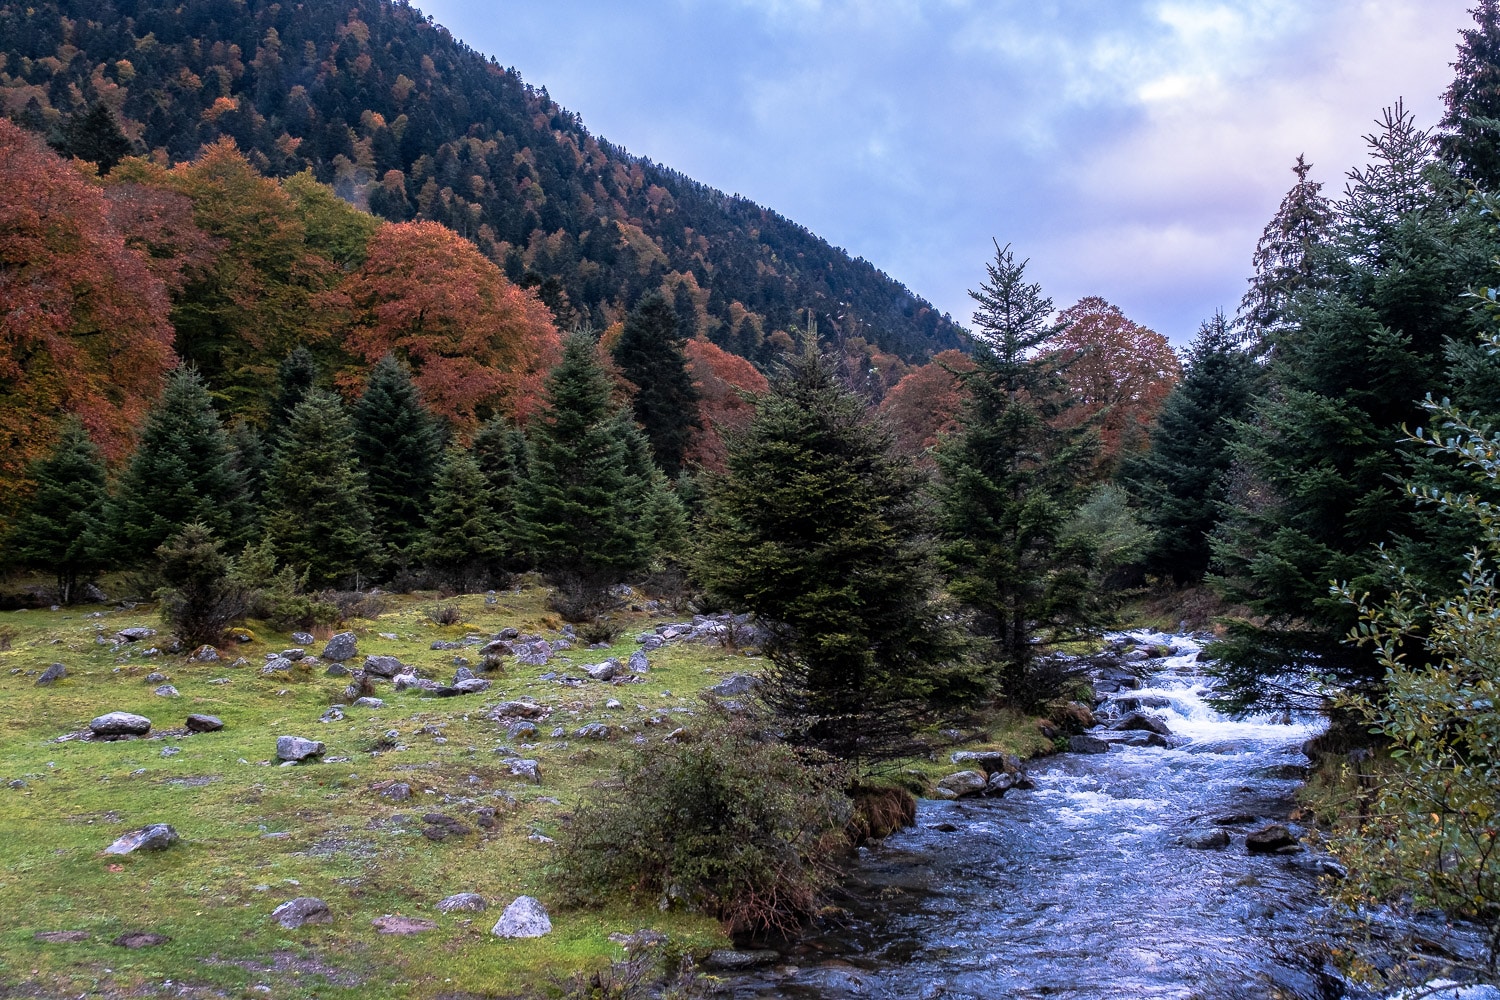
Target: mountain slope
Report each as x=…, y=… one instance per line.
x=402, y=118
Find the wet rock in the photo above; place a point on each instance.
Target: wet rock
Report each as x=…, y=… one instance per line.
x=140, y=939
x=120, y=724
x=463, y=902
x=736, y=684
x=1207, y=840
x=523, y=918
x=295, y=913
x=340, y=648
x=297, y=750
x=1142, y=739
x=964, y=783
x=156, y=837
x=733, y=960
x=52, y=675
x=1269, y=839
x=1087, y=744
x=638, y=664
x=166, y=691
x=1000, y=782
x=204, y=723
x=1235, y=819
x=1142, y=722
x=395, y=924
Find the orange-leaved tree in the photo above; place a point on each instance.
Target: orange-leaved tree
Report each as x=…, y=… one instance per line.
x=477, y=344
x=83, y=320
x=722, y=380
x=924, y=405
x=1120, y=374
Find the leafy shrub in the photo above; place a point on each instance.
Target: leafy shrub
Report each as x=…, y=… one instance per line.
x=354, y=603
x=275, y=595
x=604, y=628
x=200, y=600
x=733, y=825
x=578, y=598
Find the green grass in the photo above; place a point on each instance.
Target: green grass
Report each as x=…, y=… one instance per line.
x=213, y=893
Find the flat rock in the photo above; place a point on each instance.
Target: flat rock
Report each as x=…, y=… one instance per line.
x=135, y=634
x=1207, y=840
x=52, y=675
x=396, y=924
x=140, y=939
x=1269, y=839
x=120, y=724
x=340, y=648
x=736, y=684
x=1141, y=721
x=336, y=670
x=295, y=913
x=463, y=902
x=295, y=748
x=733, y=959
x=277, y=665
x=368, y=703
x=385, y=666
x=61, y=937
x=204, y=723
x=472, y=685
x=1087, y=744
x=156, y=837
x=303, y=638
x=963, y=783
x=523, y=918
x=988, y=761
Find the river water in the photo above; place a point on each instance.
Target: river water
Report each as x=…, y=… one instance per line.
x=1084, y=887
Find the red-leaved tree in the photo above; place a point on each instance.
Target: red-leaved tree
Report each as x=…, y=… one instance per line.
x=720, y=378
x=924, y=405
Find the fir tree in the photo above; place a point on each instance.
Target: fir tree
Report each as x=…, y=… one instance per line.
x=200, y=600
x=63, y=530
x=250, y=460
x=182, y=471
x=1011, y=478
x=1282, y=262
x=1469, y=140
x=503, y=456
x=399, y=446
x=295, y=376
x=462, y=543
x=316, y=516
x=816, y=529
x=1181, y=482
x=94, y=135
x=649, y=353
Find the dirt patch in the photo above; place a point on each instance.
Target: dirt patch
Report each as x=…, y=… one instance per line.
x=286, y=962
x=62, y=937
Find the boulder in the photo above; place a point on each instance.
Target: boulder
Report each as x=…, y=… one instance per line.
x=385, y=666
x=135, y=634
x=535, y=655
x=368, y=703
x=508, y=632
x=736, y=684
x=1087, y=744
x=593, y=731
x=120, y=724
x=602, y=671
x=497, y=647
x=462, y=673
x=463, y=902
x=396, y=924
x=528, y=769
x=277, y=665
x=989, y=761
x=52, y=675
x=963, y=783
x=204, y=654
x=405, y=682
x=1000, y=782
x=336, y=670
x=340, y=648
x=519, y=730
x=297, y=749
x=734, y=959
x=303, y=638
x=294, y=654
x=333, y=713
x=638, y=664
x=1207, y=840
x=472, y=685
x=398, y=791
x=295, y=913
x=156, y=837
x=204, y=723
x=1142, y=722
x=155, y=677
x=166, y=691
x=524, y=918
x=1269, y=839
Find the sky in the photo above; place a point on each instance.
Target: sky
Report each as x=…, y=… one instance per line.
x=1129, y=149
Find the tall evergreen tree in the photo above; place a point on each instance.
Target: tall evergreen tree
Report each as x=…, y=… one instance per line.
x=462, y=542
x=250, y=460
x=1282, y=259
x=1011, y=477
x=399, y=446
x=816, y=528
x=182, y=471
x=63, y=530
x=316, y=515
x=295, y=376
x=1469, y=136
x=503, y=455
x=94, y=135
x=1181, y=482
x=649, y=353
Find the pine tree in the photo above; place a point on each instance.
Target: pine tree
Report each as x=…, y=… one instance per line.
x=1469, y=140
x=399, y=446
x=1282, y=262
x=182, y=471
x=580, y=511
x=316, y=515
x=63, y=530
x=649, y=353
x=200, y=600
x=503, y=455
x=250, y=461
x=295, y=376
x=1181, y=482
x=1010, y=479
x=816, y=529
x=94, y=135
x=462, y=542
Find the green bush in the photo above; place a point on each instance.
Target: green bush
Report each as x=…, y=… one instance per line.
x=730, y=824
x=199, y=601
x=275, y=594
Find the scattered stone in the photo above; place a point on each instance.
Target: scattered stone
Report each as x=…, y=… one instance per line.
x=1000, y=782
x=964, y=783
x=602, y=671
x=297, y=750
x=170, y=751
x=52, y=675
x=340, y=648
x=518, y=730
x=303, y=638
x=204, y=723
x=140, y=939
x=593, y=731
x=120, y=724
x=988, y=761
x=385, y=666
x=1141, y=721
x=61, y=937
x=1208, y=840
x=523, y=918
x=405, y=682
x=393, y=924
x=472, y=685
x=156, y=837
x=294, y=654
x=219, y=680
x=277, y=665
x=294, y=913
x=368, y=703
x=155, y=677
x=1269, y=839
x=535, y=655
x=336, y=670
x=463, y=673
x=613, y=703
x=736, y=684
x=638, y=663
x=528, y=769
x=334, y=713
x=166, y=691
x=204, y=654
x=733, y=960
x=399, y=791
x=135, y=634
x=1087, y=744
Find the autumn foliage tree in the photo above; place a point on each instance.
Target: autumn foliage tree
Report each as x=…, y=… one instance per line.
x=925, y=404
x=723, y=381
x=477, y=344
x=83, y=320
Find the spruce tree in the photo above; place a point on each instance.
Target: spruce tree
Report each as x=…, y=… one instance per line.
x=649, y=353
x=201, y=599
x=63, y=530
x=94, y=135
x=399, y=446
x=1181, y=482
x=316, y=515
x=250, y=460
x=1011, y=477
x=295, y=376
x=816, y=528
x=1282, y=259
x=462, y=543
x=503, y=455
x=182, y=471
x=1469, y=136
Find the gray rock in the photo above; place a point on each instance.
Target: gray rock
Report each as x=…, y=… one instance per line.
x=462, y=674
x=155, y=677
x=156, y=837
x=736, y=684
x=638, y=663
x=463, y=902
x=397, y=924
x=52, y=675
x=1207, y=840
x=167, y=691
x=333, y=713
x=294, y=654
x=385, y=666
x=508, y=632
x=295, y=913
x=368, y=703
x=534, y=655
x=613, y=703
x=1145, y=723
x=336, y=670
x=602, y=671
x=204, y=723
x=277, y=665
x=497, y=647
x=403, y=682
x=524, y=918
x=204, y=654
x=528, y=769
x=135, y=634
x=650, y=642
x=1000, y=782
x=297, y=749
x=120, y=724
x=398, y=792
x=303, y=638
x=989, y=761
x=964, y=783
x=1087, y=744
x=1269, y=839
x=472, y=686
x=593, y=731
x=734, y=960
x=170, y=751
x=340, y=648
x=517, y=730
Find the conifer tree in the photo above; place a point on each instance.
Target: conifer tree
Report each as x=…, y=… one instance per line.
x=94, y=135
x=250, y=460
x=63, y=530
x=182, y=471
x=649, y=353
x=816, y=528
x=316, y=515
x=295, y=376
x=1011, y=477
x=1181, y=482
x=580, y=511
x=1469, y=136
x=201, y=599
x=399, y=446
x=503, y=456
x=462, y=542
x=1282, y=259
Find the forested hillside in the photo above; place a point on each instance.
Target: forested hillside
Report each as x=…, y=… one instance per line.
x=402, y=118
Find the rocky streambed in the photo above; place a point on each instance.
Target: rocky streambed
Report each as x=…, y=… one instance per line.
x=1159, y=866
